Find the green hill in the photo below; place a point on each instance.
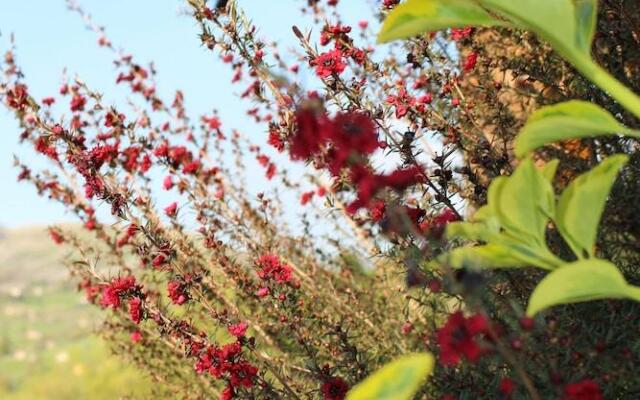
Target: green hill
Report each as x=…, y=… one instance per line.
x=47, y=346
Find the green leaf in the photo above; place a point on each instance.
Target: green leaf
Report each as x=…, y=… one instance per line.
x=398, y=380
x=525, y=203
x=580, y=281
x=569, y=120
x=553, y=20
x=549, y=169
x=586, y=21
x=483, y=231
x=490, y=255
x=581, y=205
x=415, y=17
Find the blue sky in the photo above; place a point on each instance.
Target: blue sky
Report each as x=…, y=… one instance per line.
x=50, y=38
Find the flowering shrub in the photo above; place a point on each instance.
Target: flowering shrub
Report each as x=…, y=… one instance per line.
x=410, y=158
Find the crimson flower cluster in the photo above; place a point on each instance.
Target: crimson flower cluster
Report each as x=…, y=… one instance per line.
x=458, y=338
x=227, y=363
x=113, y=293
x=344, y=142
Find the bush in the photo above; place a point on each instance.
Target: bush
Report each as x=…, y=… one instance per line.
x=411, y=159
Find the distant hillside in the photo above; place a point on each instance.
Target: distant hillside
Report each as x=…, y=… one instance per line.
x=29, y=257
x=47, y=349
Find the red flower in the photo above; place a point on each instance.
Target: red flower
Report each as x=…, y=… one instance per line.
x=167, y=183
x=583, y=390
x=457, y=338
x=135, y=310
x=377, y=209
x=275, y=140
x=329, y=63
x=78, y=102
x=117, y=288
x=306, y=197
x=311, y=134
x=402, y=102
x=177, y=292
x=136, y=336
x=507, y=386
x=18, y=97
x=351, y=133
x=56, y=236
x=238, y=330
x=228, y=393
x=470, y=62
x=461, y=33
x=213, y=122
x=171, y=209
x=403, y=178
x=334, y=389
x=271, y=268
x=390, y=3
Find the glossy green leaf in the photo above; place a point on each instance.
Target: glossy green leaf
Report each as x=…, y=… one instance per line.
x=414, y=17
x=525, y=203
x=586, y=21
x=569, y=120
x=581, y=205
x=581, y=281
x=398, y=380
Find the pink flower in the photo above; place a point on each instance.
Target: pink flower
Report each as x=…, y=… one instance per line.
x=238, y=330
x=136, y=336
x=171, y=209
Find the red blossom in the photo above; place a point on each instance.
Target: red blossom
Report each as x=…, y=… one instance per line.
x=329, y=63
x=334, y=388
x=136, y=336
x=18, y=97
x=135, y=310
x=311, y=134
x=177, y=292
x=56, y=236
x=78, y=102
x=458, y=338
x=171, y=209
x=167, y=183
x=583, y=390
x=470, y=62
x=238, y=330
x=461, y=33
x=507, y=386
x=377, y=210
x=402, y=102
x=271, y=268
x=306, y=197
x=118, y=287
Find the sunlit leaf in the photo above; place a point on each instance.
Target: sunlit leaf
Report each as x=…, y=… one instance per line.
x=483, y=231
x=581, y=281
x=398, y=380
x=486, y=256
x=569, y=120
x=525, y=202
x=415, y=17
x=581, y=205
x=554, y=20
